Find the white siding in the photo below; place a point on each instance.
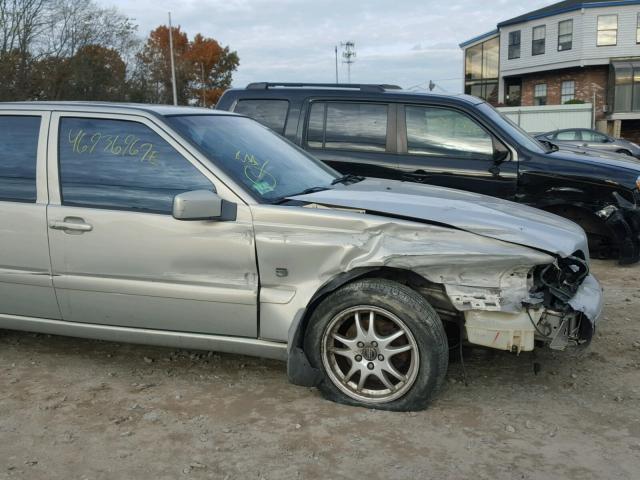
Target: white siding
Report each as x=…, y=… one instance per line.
x=552, y=57
x=550, y=117
x=584, y=50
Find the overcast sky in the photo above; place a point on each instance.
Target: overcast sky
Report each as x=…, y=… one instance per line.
x=397, y=41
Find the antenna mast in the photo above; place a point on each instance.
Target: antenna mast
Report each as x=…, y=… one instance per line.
x=348, y=56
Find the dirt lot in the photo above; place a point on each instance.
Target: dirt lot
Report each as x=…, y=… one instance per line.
x=76, y=409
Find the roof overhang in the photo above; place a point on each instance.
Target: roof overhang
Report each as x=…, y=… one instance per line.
x=566, y=9
x=479, y=38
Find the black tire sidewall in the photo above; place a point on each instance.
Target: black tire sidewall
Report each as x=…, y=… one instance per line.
x=419, y=317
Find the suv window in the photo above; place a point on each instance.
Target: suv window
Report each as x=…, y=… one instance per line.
x=121, y=165
x=18, y=157
x=442, y=132
x=270, y=113
x=348, y=126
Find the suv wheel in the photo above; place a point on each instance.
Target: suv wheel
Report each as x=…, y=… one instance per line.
x=378, y=344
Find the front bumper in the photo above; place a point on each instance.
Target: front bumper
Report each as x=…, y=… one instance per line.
x=572, y=325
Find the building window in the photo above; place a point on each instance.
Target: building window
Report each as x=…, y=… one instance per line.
x=568, y=91
x=607, y=30
x=514, y=44
x=625, y=94
x=565, y=35
x=481, y=70
x=540, y=94
x=539, y=38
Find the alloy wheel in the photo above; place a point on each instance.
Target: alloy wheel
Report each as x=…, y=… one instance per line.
x=370, y=354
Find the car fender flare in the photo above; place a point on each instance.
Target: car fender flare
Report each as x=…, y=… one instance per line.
x=299, y=369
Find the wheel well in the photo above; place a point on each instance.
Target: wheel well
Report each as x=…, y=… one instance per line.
x=434, y=293
x=602, y=242
x=584, y=217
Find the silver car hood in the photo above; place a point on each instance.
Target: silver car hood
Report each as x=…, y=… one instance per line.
x=472, y=212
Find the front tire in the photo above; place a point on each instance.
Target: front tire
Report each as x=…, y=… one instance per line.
x=379, y=344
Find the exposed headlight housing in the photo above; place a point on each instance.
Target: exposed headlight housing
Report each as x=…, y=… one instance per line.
x=638, y=183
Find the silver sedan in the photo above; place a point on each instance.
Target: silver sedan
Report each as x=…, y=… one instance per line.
x=199, y=229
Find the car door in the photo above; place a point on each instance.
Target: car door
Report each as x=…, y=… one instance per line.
x=597, y=140
x=26, y=287
x=446, y=146
x=119, y=257
x=353, y=137
x=570, y=137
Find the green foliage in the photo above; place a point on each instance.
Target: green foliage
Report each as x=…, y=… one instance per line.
x=575, y=101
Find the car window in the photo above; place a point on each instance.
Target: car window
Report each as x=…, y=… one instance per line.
x=18, y=156
x=266, y=164
x=568, y=135
x=123, y=165
x=443, y=132
x=270, y=113
x=590, y=136
x=348, y=126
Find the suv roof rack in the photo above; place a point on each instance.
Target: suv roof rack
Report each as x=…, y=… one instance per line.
x=365, y=87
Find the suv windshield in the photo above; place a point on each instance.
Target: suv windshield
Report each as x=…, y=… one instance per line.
x=516, y=132
x=270, y=167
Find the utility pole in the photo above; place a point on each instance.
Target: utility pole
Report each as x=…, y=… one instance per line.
x=348, y=55
x=173, y=65
x=204, y=98
x=337, y=65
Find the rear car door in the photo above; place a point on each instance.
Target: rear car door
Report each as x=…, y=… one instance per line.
x=444, y=146
x=119, y=257
x=26, y=288
x=353, y=137
x=596, y=140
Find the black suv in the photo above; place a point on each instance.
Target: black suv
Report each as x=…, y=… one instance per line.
x=453, y=141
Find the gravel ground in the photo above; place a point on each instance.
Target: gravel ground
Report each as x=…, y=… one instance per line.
x=76, y=409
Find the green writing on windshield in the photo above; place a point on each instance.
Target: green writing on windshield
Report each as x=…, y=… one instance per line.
x=88, y=143
x=256, y=172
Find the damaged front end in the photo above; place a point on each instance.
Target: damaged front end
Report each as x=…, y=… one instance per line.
x=623, y=221
x=562, y=290
x=560, y=308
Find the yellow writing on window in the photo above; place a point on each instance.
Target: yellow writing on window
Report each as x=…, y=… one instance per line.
x=88, y=143
x=256, y=172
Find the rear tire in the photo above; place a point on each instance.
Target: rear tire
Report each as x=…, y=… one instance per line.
x=625, y=152
x=378, y=344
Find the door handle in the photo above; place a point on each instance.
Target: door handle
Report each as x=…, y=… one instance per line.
x=73, y=224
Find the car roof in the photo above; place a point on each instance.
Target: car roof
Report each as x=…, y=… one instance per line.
x=391, y=93
x=111, y=107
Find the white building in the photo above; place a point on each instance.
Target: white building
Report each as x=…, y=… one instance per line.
x=571, y=51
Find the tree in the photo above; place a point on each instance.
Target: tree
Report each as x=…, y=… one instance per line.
x=155, y=66
x=213, y=69
x=202, y=66
x=96, y=73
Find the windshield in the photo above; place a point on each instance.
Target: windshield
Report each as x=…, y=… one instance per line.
x=514, y=130
x=269, y=166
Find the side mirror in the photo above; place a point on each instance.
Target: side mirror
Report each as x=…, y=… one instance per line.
x=202, y=205
x=500, y=152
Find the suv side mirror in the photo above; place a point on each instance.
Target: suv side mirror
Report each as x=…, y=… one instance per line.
x=202, y=205
x=500, y=152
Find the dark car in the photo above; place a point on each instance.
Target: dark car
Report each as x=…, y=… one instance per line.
x=591, y=139
x=453, y=141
